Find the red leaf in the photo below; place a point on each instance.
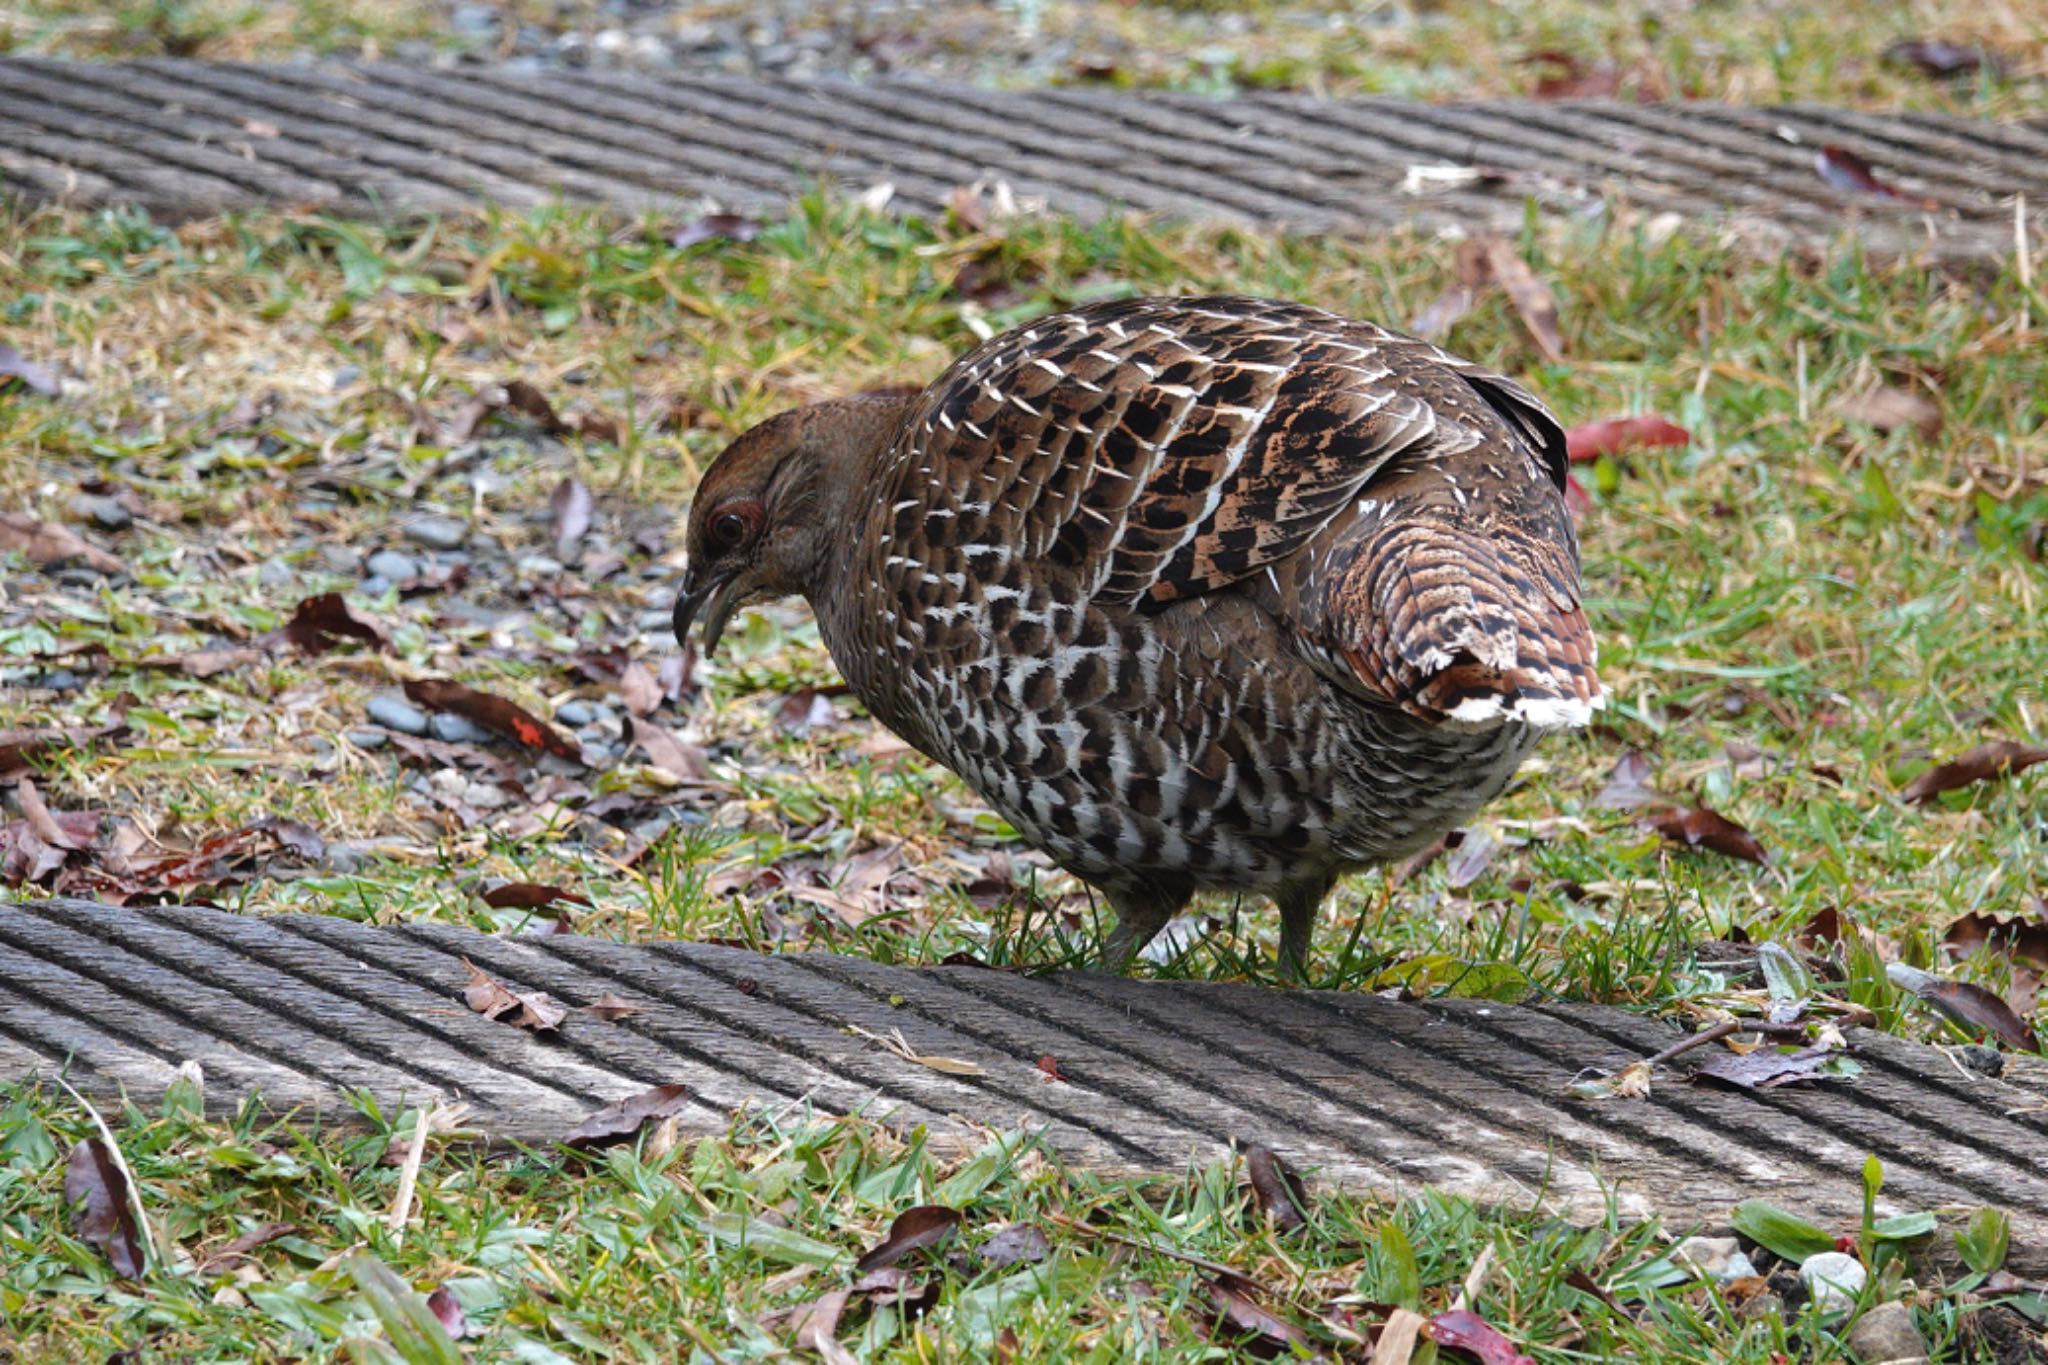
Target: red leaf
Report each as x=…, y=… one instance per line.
x=2000, y=758
x=1847, y=171
x=318, y=624
x=1467, y=1331
x=618, y=1121
x=448, y=1309
x=107, y=1218
x=1698, y=827
x=494, y=713
x=1591, y=440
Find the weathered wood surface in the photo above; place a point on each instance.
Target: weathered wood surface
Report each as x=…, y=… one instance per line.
x=189, y=138
x=1367, y=1093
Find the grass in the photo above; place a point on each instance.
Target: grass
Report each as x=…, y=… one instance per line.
x=1792, y=50
x=1851, y=603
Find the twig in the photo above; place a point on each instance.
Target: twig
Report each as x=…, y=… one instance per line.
x=149, y=1241
x=408, y=1176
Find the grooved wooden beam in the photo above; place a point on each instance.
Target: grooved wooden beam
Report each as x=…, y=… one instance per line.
x=186, y=138
x=1363, y=1092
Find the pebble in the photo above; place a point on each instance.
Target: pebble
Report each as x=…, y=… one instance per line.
x=347, y=375
x=1834, y=1279
x=274, y=573
x=453, y=729
x=392, y=565
x=474, y=21
x=365, y=739
x=661, y=618
x=1886, y=1335
x=376, y=585
x=106, y=513
x=436, y=533
x=394, y=712
x=542, y=566
x=341, y=559
x=1720, y=1259
x=576, y=713
x=79, y=576
x=1987, y=1061
x=59, y=680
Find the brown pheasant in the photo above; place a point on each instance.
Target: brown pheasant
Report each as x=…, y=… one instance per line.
x=1202, y=593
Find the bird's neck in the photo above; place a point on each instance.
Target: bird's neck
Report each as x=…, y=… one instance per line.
x=845, y=443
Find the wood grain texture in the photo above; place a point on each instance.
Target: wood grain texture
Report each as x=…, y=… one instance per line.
x=392, y=140
x=1363, y=1092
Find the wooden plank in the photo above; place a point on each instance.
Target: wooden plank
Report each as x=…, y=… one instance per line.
x=1367, y=1093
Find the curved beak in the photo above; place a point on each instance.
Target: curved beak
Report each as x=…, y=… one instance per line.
x=715, y=599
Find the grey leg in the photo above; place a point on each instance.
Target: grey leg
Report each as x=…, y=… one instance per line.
x=1142, y=910
x=1298, y=905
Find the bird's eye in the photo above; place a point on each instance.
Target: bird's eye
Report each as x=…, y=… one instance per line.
x=729, y=530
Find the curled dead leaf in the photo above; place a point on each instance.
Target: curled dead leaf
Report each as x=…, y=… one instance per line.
x=103, y=1212
x=493, y=999
x=1985, y=763
x=1699, y=827
x=620, y=1120
x=1279, y=1189
x=51, y=544
x=924, y=1226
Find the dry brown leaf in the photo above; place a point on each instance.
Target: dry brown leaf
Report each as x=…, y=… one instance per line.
x=618, y=1121
x=924, y=1226
x=1888, y=409
x=610, y=1007
x=320, y=623
x=1278, y=1187
x=1698, y=827
x=50, y=544
x=1985, y=763
x=686, y=762
x=492, y=999
x=1533, y=301
x=639, y=689
x=103, y=1213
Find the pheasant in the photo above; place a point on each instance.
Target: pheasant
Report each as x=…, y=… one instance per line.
x=1199, y=593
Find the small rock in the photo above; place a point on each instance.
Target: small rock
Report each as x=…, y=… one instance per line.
x=392, y=565
x=1886, y=1336
x=1834, y=1278
x=60, y=680
x=474, y=21
x=660, y=618
x=104, y=512
x=79, y=576
x=453, y=729
x=346, y=858
x=396, y=713
x=376, y=585
x=346, y=375
x=365, y=739
x=341, y=559
x=436, y=533
x=1765, y=1307
x=1986, y=1061
x=274, y=573
x=1720, y=1259
x=541, y=566
x=576, y=713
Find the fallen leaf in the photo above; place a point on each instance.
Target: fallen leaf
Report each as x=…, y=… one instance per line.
x=492, y=999
x=1632, y=1082
x=1986, y=762
x=805, y=710
x=618, y=1121
x=225, y=1257
x=2021, y=939
x=20, y=748
x=51, y=544
x=817, y=1327
x=1469, y=860
x=1464, y=1330
x=716, y=227
x=494, y=713
x=1888, y=409
x=43, y=823
x=1847, y=171
x=1395, y=1344
x=684, y=761
x=1015, y=1244
x=1278, y=1187
x=1698, y=827
x=1939, y=57
x=448, y=1309
x=1049, y=1064
x=571, y=506
x=529, y=896
x=1628, y=784
x=923, y=1226
x=14, y=366
x=610, y=1008
x=1591, y=440
x=639, y=689
x=1969, y=1005
x=203, y=663
x=103, y=1213
x=320, y=623
x=1532, y=298
x=1248, y=1325
x=1568, y=78
x=1766, y=1068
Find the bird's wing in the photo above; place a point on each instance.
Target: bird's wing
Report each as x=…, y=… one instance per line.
x=1153, y=450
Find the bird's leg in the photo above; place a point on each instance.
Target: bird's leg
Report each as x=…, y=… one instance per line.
x=1142, y=910
x=1298, y=904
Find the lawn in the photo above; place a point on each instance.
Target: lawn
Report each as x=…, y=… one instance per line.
x=1833, y=584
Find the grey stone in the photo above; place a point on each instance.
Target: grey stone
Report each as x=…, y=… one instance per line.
x=1834, y=1279
x=1720, y=1259
x=365, y=739
x=274, y=573
x=394, y=712
x=1886, y=1335
x=392, y=565
x=474, y=21
x=376, y=585
x=346, y=375
x=342, y=559
x=540, y=565
x=455, y=729
x=576, y=713
x=106, y=513
x=436, y=533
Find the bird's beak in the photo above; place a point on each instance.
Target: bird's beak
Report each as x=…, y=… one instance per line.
x=716, y=599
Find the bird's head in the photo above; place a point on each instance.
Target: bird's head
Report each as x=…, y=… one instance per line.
x=774, y=504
